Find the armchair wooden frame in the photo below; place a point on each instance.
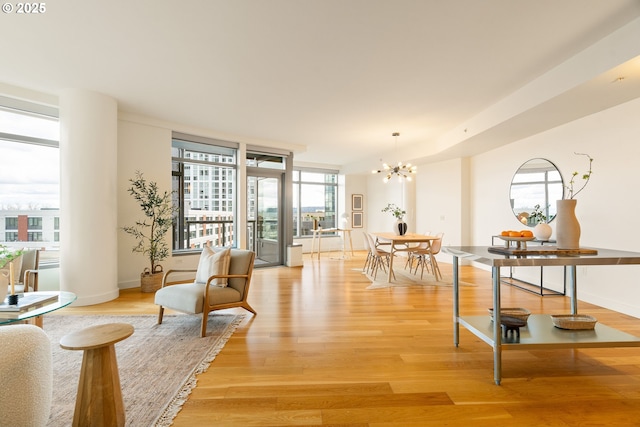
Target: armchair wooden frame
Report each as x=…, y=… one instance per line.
x=206, y=307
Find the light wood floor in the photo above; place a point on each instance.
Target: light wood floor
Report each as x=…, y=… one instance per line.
x=324, y=351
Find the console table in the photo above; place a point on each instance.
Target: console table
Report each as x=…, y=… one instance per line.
x=511, y=280
x=540, y=330
x=317, y=233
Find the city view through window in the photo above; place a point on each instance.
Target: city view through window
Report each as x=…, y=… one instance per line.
x=30, y=182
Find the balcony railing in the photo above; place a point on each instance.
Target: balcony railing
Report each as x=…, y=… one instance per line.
x=221, y=235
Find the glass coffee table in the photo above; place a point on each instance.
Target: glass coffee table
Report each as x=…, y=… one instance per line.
x=64, y=299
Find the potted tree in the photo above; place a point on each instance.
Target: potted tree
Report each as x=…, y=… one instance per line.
x=151, y=231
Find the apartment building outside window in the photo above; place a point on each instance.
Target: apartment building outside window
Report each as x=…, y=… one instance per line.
x=11, y=223
x=200, y=169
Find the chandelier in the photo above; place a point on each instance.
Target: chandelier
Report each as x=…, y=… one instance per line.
x=402, y=171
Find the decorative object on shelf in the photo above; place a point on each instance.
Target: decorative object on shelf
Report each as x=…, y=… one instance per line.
x=401, y=170
x=574, y=321
x=151, y=231
x=567, y=225
x=520, y=238
x=516, y=312
x=400, y=227
x=542, y=230
x=585, y=176
x=536, y=182
x=512, y=324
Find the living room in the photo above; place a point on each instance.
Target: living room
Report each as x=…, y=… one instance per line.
x=587, y=102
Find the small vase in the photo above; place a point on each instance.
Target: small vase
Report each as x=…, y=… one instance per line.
x=567, y=225
x=542, y=231
x=400, y=227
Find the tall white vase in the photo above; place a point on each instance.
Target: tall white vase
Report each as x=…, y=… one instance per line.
x=567, y=225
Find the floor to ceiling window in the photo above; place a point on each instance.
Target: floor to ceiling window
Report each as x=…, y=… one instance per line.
x=30, y=177
x=315, y=194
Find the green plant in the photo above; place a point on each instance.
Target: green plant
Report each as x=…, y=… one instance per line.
x=586, y=177
x=7, y=255
x=395, y=211
x=158, y=210
x=537, y=216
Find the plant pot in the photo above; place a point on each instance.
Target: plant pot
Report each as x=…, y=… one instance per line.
x=567, y=225
x=400, y=227
x=542, y=231
x=151, y=282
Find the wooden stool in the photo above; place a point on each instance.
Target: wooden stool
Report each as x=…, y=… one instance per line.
x=99, y=400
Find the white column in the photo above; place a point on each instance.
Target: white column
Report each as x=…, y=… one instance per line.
x=88, y=180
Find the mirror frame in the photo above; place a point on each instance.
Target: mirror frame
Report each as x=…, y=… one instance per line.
x=537, y=165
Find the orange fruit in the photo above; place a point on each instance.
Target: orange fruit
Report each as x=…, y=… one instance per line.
x=526, y=233
x=514, y=234
x=505, y=233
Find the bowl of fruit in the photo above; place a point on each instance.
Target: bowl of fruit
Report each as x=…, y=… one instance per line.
x=520, y=237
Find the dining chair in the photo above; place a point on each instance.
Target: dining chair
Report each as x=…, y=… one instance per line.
x=379, y=257
x=413, y=254
x=368, y=261
x=424, y=258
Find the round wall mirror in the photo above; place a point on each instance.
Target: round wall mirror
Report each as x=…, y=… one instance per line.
x=537, y=182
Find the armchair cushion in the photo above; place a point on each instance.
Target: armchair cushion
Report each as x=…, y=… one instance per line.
x=213, y=263
x=187, y=297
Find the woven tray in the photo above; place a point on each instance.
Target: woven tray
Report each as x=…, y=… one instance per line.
x=574, y=321
x=517, y=312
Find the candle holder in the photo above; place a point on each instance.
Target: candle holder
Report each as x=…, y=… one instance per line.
x=12, y=299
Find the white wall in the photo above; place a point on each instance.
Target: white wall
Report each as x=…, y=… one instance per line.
x=148, y=149
x=606, y=208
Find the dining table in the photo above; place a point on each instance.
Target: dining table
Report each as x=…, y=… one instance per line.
x=404, y=243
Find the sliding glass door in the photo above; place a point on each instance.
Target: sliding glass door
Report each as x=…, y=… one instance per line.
x=264, y=216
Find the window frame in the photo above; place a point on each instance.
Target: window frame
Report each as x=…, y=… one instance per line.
x=298, y=186
x=221, y=181
x=27, y=109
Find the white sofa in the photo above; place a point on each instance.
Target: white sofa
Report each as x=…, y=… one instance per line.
x=25, y=375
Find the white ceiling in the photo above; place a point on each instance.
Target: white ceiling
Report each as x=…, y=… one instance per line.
x=331, y=78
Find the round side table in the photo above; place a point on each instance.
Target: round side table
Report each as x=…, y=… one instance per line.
x=99, y=399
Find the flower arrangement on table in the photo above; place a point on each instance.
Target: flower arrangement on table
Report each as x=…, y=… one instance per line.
x=395, y=210
x=585, y=176
x=7, y=256
x=537, y=216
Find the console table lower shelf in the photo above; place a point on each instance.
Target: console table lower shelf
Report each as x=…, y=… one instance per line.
x=540, y=333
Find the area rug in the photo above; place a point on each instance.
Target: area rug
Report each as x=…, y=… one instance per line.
x=158, y=364
x=405, y=278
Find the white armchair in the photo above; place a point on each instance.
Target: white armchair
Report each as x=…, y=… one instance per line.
x=208, y=291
